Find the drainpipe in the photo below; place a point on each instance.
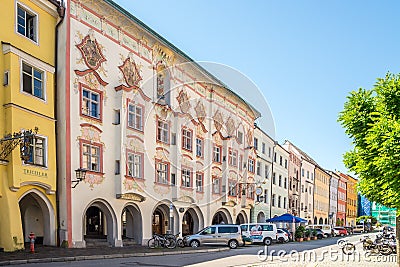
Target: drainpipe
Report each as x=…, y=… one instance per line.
x=61, y=13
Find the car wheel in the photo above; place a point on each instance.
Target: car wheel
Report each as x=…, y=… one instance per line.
x=319, y=236
x=267, y=241
x=281, y=240
x=195, y=244
x=233, y=244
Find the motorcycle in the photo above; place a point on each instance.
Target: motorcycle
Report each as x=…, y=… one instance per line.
x=379, y=246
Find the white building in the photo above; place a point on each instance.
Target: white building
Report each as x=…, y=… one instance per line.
x=280, y=182
x=166, y=146
x=333, y=197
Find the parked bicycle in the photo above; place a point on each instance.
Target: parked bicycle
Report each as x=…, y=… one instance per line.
x=347, y=247
x=161, y=241
x=180, y=242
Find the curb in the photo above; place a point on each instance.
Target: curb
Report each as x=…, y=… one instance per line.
x=110, y=256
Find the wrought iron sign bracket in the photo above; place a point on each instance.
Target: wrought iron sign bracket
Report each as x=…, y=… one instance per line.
x=10, y=141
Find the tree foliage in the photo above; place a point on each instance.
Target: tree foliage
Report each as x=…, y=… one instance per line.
x=372, y=120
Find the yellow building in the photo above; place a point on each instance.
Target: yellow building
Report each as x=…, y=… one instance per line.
x=321, y=196
x=27, y=67
x=351, y=205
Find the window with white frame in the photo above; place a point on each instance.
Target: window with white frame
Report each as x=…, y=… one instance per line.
x=258, y=168
x=26, y=23
x=37, y=151
x=32, y=80
x=135, y=165
x=90, y=103
x=255, y=142
x=162, y=131
x=263, y=148
x=217, y=154
x=135, y=117
x=251, y=165
x=187, y=139
x=199, y=147
x=216, y=185
x=91, y=157
x=199, y=182
x=232, y=157
x=280, y=180
x=186, y=178
x=162, y=172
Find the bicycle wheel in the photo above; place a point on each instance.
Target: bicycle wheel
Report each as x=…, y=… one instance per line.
x=170, y=243
x=180, y=243
x=348, y=249
x=385, y=249
x=151, y=243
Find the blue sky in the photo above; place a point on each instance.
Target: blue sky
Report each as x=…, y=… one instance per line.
x=305, y=56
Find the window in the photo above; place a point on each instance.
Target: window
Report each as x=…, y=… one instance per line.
x=187, y=139
x=232, y=157
x=240, y=162
x=280, y=160
x=250, y=192
x=269, y=152
x=263, y=148
x=217, y=154
x=266, y=171
x=186, y=178
x=117, y=117
x=284, y=202
x=90, y=103
x=280, y=180
x=274, y=156
x=199, y=182
x=232, y=188
x=258, y=168
x=308, y=174
x=302, y=188
x=135, y=165
x=273, y=200
x=273, y=178
x=285, y=163
x=216, y=185
x=285, y=184
x=26, y=23
x=256, y=143
x=117, y=167
x=279, y=201
x=135, y=117
x=209, y=231
x=162, y=131
x=32, y=81
x=302, y=172
x=162, y=172
x=37, y=151
x=240, y=137
x=251, y=165
x=265, y=195
x=199, y=147
x=91, y=157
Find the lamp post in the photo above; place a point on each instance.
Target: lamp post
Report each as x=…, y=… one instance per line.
x=270, y=181
x=80, y=176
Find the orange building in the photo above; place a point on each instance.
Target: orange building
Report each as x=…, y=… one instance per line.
x=351, y=205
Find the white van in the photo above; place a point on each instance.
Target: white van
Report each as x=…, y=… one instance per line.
x=259, y=232
x=326, y=228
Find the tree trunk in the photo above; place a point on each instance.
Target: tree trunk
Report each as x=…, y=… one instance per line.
x=398, y=239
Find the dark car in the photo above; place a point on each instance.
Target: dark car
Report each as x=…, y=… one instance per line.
x=288, y=232
x=319, y=234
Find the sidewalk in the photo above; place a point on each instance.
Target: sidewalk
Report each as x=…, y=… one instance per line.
x=56, y=254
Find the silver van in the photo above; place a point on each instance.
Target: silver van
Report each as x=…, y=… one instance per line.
x=221, y=234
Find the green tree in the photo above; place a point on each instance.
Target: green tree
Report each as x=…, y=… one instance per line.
x=372, y=120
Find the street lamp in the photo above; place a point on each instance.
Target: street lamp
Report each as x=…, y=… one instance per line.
x=80, y=176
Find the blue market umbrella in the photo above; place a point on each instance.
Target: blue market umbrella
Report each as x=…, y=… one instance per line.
x=289, y=218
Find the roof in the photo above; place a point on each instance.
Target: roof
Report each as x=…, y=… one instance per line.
x=304, y=154
x=120, y=9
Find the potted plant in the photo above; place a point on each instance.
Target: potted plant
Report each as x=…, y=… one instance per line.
x=307, y=234
x=314, y=234
x=299, y=233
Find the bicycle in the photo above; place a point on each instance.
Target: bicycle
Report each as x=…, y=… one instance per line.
x=180, y=242
x=347, y=247
x=160, y=241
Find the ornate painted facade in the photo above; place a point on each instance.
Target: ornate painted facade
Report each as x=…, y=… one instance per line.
x=27, y=166
x=166, y=146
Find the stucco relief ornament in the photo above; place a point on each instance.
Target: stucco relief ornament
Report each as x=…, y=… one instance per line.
x=92, y=55
x=93, y=179
x=201, y=115
x=183, y=101
x=249, y=137
x=218, y=121
x=230, y=127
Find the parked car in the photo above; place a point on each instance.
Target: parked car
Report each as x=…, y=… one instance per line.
x=326, y=228
x=282, y=236
x=339, y=231
x=349, y=229
x=288, y=232
x=222, y=234
x=359, y=228
x=259, y=232
x=320, y=234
